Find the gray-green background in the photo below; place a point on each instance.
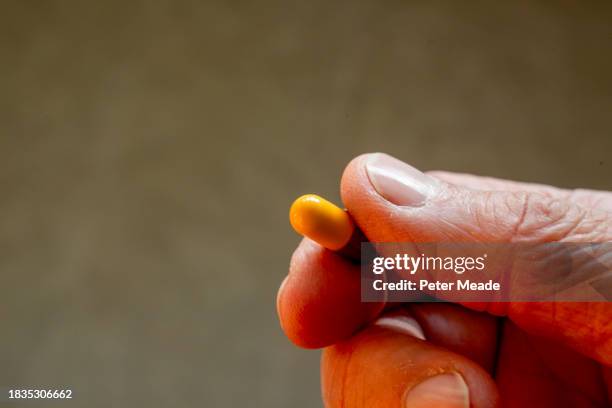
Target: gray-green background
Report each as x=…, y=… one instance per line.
x=149, y=152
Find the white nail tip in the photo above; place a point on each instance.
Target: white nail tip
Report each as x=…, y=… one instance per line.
x=403, y=324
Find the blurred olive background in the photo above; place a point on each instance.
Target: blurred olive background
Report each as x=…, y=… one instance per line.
x=149, y=152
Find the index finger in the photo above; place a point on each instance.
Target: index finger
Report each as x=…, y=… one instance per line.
x=319, y=302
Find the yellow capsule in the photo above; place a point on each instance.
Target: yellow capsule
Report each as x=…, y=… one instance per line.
x=321, y=221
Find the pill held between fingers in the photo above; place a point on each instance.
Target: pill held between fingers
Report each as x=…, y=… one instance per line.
x=322, y=221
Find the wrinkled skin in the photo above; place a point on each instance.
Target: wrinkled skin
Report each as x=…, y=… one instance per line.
x=511, y=355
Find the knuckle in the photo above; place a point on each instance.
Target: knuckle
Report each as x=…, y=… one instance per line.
x=545, y=218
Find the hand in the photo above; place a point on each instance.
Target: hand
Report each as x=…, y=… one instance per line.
x=440, y=354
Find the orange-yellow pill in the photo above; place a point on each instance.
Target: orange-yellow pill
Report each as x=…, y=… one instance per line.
x=321, y=221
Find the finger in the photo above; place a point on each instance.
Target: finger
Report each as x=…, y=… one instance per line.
x=532, y=371
x=463, y=331
x=601, y=200
x=387, y=365
x=319, y=302
x=393, y=202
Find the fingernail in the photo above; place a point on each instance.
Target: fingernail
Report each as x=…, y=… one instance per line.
x=399, y=182
x=403, y=324
x=442, y=391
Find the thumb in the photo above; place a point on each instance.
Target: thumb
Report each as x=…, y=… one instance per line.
x=392, y=201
